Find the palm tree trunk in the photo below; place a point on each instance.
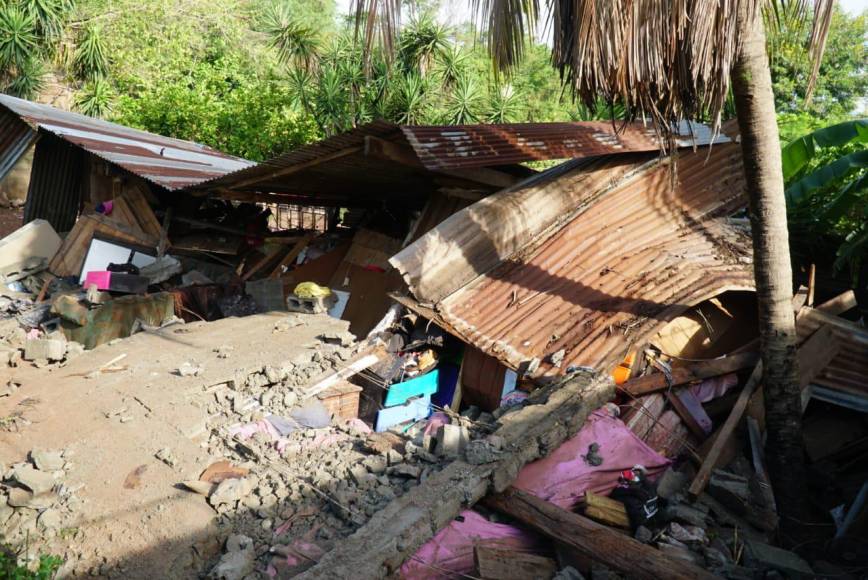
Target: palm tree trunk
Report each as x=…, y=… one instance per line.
x=761, y=149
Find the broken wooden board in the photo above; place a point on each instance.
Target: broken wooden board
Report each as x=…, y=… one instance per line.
x=598, y=542
x=606, y=510
x=682, y=375
x=501, y=564
x=393, y=534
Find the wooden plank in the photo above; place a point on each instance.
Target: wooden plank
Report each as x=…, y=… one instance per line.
x=144, y=215
x=681, y=375
x=812, y=285
x=291, y=255
x=598, y=542
x=839, y=304
x=506, y=564
x=606, y=510
x=812, y=351
x=264, y=261
x=726, y=430
x=815, y=354
x=296, y=168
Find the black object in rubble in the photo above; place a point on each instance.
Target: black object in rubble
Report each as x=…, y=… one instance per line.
x=640, y=499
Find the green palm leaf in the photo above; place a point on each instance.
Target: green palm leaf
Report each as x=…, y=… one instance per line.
x=797, y=154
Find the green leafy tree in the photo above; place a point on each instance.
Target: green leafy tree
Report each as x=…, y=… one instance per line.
x=826, y=175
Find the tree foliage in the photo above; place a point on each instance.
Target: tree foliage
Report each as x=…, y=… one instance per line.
x=826, y=174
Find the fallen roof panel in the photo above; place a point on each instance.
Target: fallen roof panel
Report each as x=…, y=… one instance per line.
x=456, y=146
x=626, y=254
x=170, y=163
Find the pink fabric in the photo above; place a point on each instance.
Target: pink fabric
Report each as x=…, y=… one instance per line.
x=435, y=421
x=714, y=387
x=247, y=431
x=563, y=477
x=449, y=554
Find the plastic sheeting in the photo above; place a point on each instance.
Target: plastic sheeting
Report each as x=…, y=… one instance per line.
x=449, y=554
x=561, y=478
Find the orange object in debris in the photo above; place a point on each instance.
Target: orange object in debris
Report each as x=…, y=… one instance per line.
x=622, y=371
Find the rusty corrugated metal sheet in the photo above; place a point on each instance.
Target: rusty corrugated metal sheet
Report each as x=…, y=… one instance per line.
x=848, y=370
x=634, y=255
x=15, y=138
x=54, y=193
x=170, y=163
x=449, y=147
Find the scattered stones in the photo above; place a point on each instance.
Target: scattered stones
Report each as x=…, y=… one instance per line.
x=230, y=491
x=166, y=456
x=237, y=562
x=405, y=470
x=769, y=557
x=189, y=369
x=480, y=451
x=593, y=457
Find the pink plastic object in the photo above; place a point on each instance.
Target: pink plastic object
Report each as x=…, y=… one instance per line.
x=99, y=278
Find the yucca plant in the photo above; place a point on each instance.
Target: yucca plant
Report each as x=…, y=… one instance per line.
x=18, y=38
x=90, y=57
x=95, y=99
x=49, y=17
x=452, y=64
x=465, y=102
x=409, y=103
x=420, y=42
x=28, y=80
x=296, y=43
x=503, y=106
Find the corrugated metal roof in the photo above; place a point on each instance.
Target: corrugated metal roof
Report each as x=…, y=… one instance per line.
x=634, y=254
x=265, y=173
x=321, y=169
x=445, y=147
x=170, y=163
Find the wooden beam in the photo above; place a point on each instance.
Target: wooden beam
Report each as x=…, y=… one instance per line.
x=287, y=198
x=813, y=351
x=606, y=510
x=286, y=171
x=839, y=304
x=592, y=540
x=292, y=255
x=553, y=414
x=389, y=151
x=726, y=430
x=812, y=285
x=493, y=563
x=682, y=375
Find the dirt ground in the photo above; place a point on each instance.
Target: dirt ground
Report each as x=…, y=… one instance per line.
x=10, y=220
x=130, y=513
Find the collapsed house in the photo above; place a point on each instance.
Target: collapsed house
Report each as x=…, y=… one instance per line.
x=357, y=342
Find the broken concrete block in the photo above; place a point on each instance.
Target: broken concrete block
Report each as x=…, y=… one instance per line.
x=50, y=349
x=36, y=481
x=451, y=441
x=237, y=562
x=694, y=515
x=230, y=491
x=73, y=350
x=733, y=491
x=770, y=557
x=47, y=460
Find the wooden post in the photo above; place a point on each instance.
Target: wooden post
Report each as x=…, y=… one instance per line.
x=681, y=375
x=622, y=553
